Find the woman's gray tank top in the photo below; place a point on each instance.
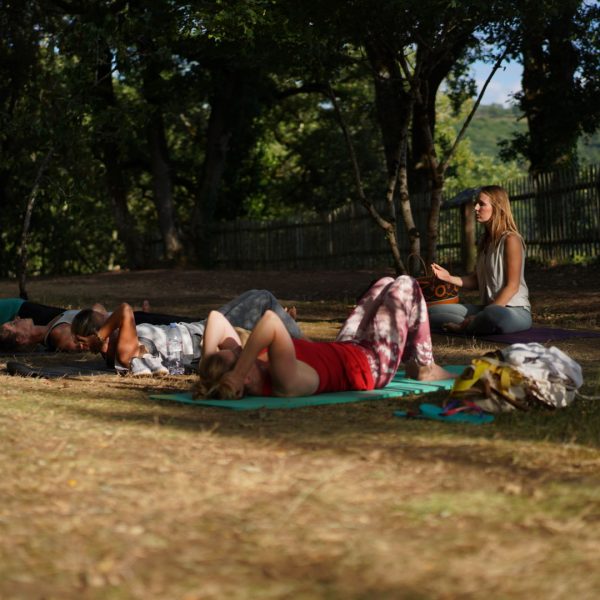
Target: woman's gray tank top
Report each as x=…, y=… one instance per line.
x=491, y=276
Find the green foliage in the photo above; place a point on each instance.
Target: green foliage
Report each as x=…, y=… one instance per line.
x=304, y=163
x=494, y=126
x=262, y=67
x=474, y=163
x=42, y=115
x=559, y=49
x=491, y=125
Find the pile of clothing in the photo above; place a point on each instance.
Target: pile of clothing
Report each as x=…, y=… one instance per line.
x=521, y=376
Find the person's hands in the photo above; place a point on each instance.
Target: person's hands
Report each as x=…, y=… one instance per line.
x=92, y=343
x=440, y=272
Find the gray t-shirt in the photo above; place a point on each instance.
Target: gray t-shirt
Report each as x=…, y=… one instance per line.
x=154, y=338
x=491, y=276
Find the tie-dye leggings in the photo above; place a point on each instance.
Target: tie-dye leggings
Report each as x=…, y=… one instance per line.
x=391, y=322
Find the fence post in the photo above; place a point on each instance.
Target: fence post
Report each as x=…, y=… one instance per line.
x=468, y=252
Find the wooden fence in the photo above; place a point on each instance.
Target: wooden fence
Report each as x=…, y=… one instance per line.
x=558, y=215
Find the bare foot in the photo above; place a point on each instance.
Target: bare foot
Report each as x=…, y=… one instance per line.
x=146, y=306
x=430, y=372
x=453, y=327
x=292, y=311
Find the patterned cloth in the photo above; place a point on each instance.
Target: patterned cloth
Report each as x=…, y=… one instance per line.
x=391, y=322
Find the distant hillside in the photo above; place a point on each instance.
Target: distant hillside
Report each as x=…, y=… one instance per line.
x=493, y=123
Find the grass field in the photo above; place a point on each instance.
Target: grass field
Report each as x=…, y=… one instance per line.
x=106, y=494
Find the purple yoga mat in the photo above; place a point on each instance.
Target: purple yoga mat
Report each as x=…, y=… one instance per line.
x=535, y=334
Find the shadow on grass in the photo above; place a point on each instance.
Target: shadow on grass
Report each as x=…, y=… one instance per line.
x=336, y=427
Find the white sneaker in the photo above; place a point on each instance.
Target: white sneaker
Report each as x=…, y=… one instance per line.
x=154, y=363
x=138, y=367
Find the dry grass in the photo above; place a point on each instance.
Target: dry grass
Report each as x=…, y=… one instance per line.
x=106, y=494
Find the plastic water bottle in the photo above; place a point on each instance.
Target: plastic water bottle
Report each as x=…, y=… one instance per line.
x=174, y=350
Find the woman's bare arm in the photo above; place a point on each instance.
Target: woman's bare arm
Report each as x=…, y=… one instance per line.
x=219, y=334
x=289, y=376
x=99, y=308
x=468, y=282
x=116, y=337
x=268, y=333
x=513, y=262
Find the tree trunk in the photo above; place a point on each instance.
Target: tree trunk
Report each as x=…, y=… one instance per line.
x=431, y=68
x=163, y=186
x=153, y=89
x=434, y=66
x=414, y=239
x=549, y=65
x=393, y=109
x=468, y=228
x=117, y=191
x=5, y=223
x=23, y=251
x=433, y=221
x=110, y=155
x=423, y=129
x=392, y=103
x=221, y=124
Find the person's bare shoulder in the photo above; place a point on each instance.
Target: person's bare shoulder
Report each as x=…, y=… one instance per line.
x=61, y=339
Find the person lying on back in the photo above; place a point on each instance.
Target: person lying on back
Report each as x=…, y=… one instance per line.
x=30, y=325
x=24, y=334
x=142, y=348
x=387, y=327
x=41, y=314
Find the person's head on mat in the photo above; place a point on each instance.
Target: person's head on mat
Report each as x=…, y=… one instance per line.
x=388, y=326
x=212, y=384
x=18, y=335
x=84, y=327
x=23, y=335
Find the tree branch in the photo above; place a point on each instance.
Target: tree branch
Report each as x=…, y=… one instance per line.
x=388, y=227
x=443, y=165
x=355, y=167
x=22, y=268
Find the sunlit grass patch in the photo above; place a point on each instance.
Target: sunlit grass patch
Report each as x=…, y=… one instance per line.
x=569, y=505
x=108, y=494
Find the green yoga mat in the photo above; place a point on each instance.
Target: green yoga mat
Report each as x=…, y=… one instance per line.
x=399, y=386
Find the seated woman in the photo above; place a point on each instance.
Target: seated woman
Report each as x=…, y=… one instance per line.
x=142, y=348
x=499, y=275
x=388, y=326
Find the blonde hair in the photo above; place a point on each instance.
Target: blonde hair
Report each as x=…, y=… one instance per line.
x=502, y=220
x=210, y=373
